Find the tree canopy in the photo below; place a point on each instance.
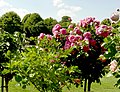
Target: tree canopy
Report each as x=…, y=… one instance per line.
x=33, y=25
x=50, y=22
x=11, y=22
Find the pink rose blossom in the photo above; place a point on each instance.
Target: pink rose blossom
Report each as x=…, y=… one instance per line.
x=77, y=31
x=63, y=31
x=78, y=37
x=83, y=23
x=103, y=30
x=96, y=23
x=56, y=34
x=72, y=38
x=87, y=35
x=86, y=22
x=99, y=30
x=49, y=37
x=70, y=26
x=86, y=40
x=72, y=44
x=104, y=26
x=57, y=27
x=71, y=32
x=41, y=36
x=67, y=45
x=89, y=20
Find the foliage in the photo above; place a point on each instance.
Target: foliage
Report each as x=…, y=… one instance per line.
x=66, y=19
x=41, y=66
x=50, y=22
x=113, y=45
x=65, y=22
x=87, y=39
x=41, y=28
x=73, y=54
x=10, y=44
x=11, y=22
x=33, y=25
x=25, y=18
x=106, y=22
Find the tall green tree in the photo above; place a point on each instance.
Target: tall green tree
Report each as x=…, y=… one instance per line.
x=10, y=45
x=33, y=25
x=65, y=21
x=25, y=18
x=50, y=22
x=11, y=22
x=40, y=27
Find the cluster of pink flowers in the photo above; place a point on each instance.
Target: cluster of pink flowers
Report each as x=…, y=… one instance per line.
x=42, y=35
x=58, y=30
x=79, y=36
x=87, y=21
x=103, y=30
x=84, y=39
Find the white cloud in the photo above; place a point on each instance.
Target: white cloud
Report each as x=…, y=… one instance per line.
x=3, y=4
x=6, y=7
x=58, y=3
x=64, y=9
x=68, y=11
x=65, y=12
x=73, y=8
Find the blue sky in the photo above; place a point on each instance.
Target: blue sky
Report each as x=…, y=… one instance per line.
x=76, y=9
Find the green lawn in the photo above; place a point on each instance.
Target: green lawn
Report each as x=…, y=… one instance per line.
x=107, y=86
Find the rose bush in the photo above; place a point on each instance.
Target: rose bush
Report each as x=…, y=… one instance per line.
x=113, y=44
x=77, y=55
x=87, y=41
x=40, y=65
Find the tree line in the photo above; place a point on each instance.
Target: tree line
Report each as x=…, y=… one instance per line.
x=32, y=24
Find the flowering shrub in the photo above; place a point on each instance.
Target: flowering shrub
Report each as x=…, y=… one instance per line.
x=75, y=55
x=41, y=66
x=112, y=43
x=87, y=41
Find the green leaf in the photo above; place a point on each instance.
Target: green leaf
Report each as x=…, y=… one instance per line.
x=18, y=78
x=24, y=86
x=117, y=55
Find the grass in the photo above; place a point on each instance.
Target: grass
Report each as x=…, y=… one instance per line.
x=107, y=86
x=14, y=87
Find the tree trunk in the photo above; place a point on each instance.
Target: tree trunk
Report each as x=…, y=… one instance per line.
x=2, y=87
x=89, y=84
x=85, y=84
x=6, y=84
